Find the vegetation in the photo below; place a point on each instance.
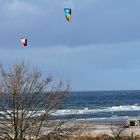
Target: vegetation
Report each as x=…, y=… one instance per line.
x=26, y=102
x=92, y=137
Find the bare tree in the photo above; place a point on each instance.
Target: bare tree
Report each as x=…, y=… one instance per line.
x=26, y=102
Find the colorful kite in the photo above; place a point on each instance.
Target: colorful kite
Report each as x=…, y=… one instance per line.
x=24, y=42
x=67, y=13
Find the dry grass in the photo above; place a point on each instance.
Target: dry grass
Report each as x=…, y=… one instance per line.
x=93, y=137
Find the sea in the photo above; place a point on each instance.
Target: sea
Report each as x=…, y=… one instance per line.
x=101, y=107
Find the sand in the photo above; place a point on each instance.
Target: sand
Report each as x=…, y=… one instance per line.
x=96, y=130
x=109, y=129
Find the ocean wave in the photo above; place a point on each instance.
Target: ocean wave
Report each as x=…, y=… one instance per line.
x=86, y=111
x=93, y=111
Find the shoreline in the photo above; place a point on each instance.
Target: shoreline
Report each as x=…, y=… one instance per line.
x=95, y=130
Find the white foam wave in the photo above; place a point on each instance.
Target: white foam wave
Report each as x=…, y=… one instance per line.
x=92, y=111
x=112, y=109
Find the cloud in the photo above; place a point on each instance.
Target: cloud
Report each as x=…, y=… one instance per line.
x=93, y=22
x=101, y=42
x=19, y=8
x=90, y=67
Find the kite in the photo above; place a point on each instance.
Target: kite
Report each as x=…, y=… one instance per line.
x=67, y=13
x=24, y=42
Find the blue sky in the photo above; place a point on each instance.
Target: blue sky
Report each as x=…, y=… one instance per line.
x=98, y=50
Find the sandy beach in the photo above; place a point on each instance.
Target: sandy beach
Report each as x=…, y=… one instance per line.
x=105, y=132
x=96, y=130
x=107, y=129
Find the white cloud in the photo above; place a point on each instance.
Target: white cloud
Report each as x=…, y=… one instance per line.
x=20, y=8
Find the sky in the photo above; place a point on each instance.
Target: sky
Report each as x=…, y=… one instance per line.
x=98, y=50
